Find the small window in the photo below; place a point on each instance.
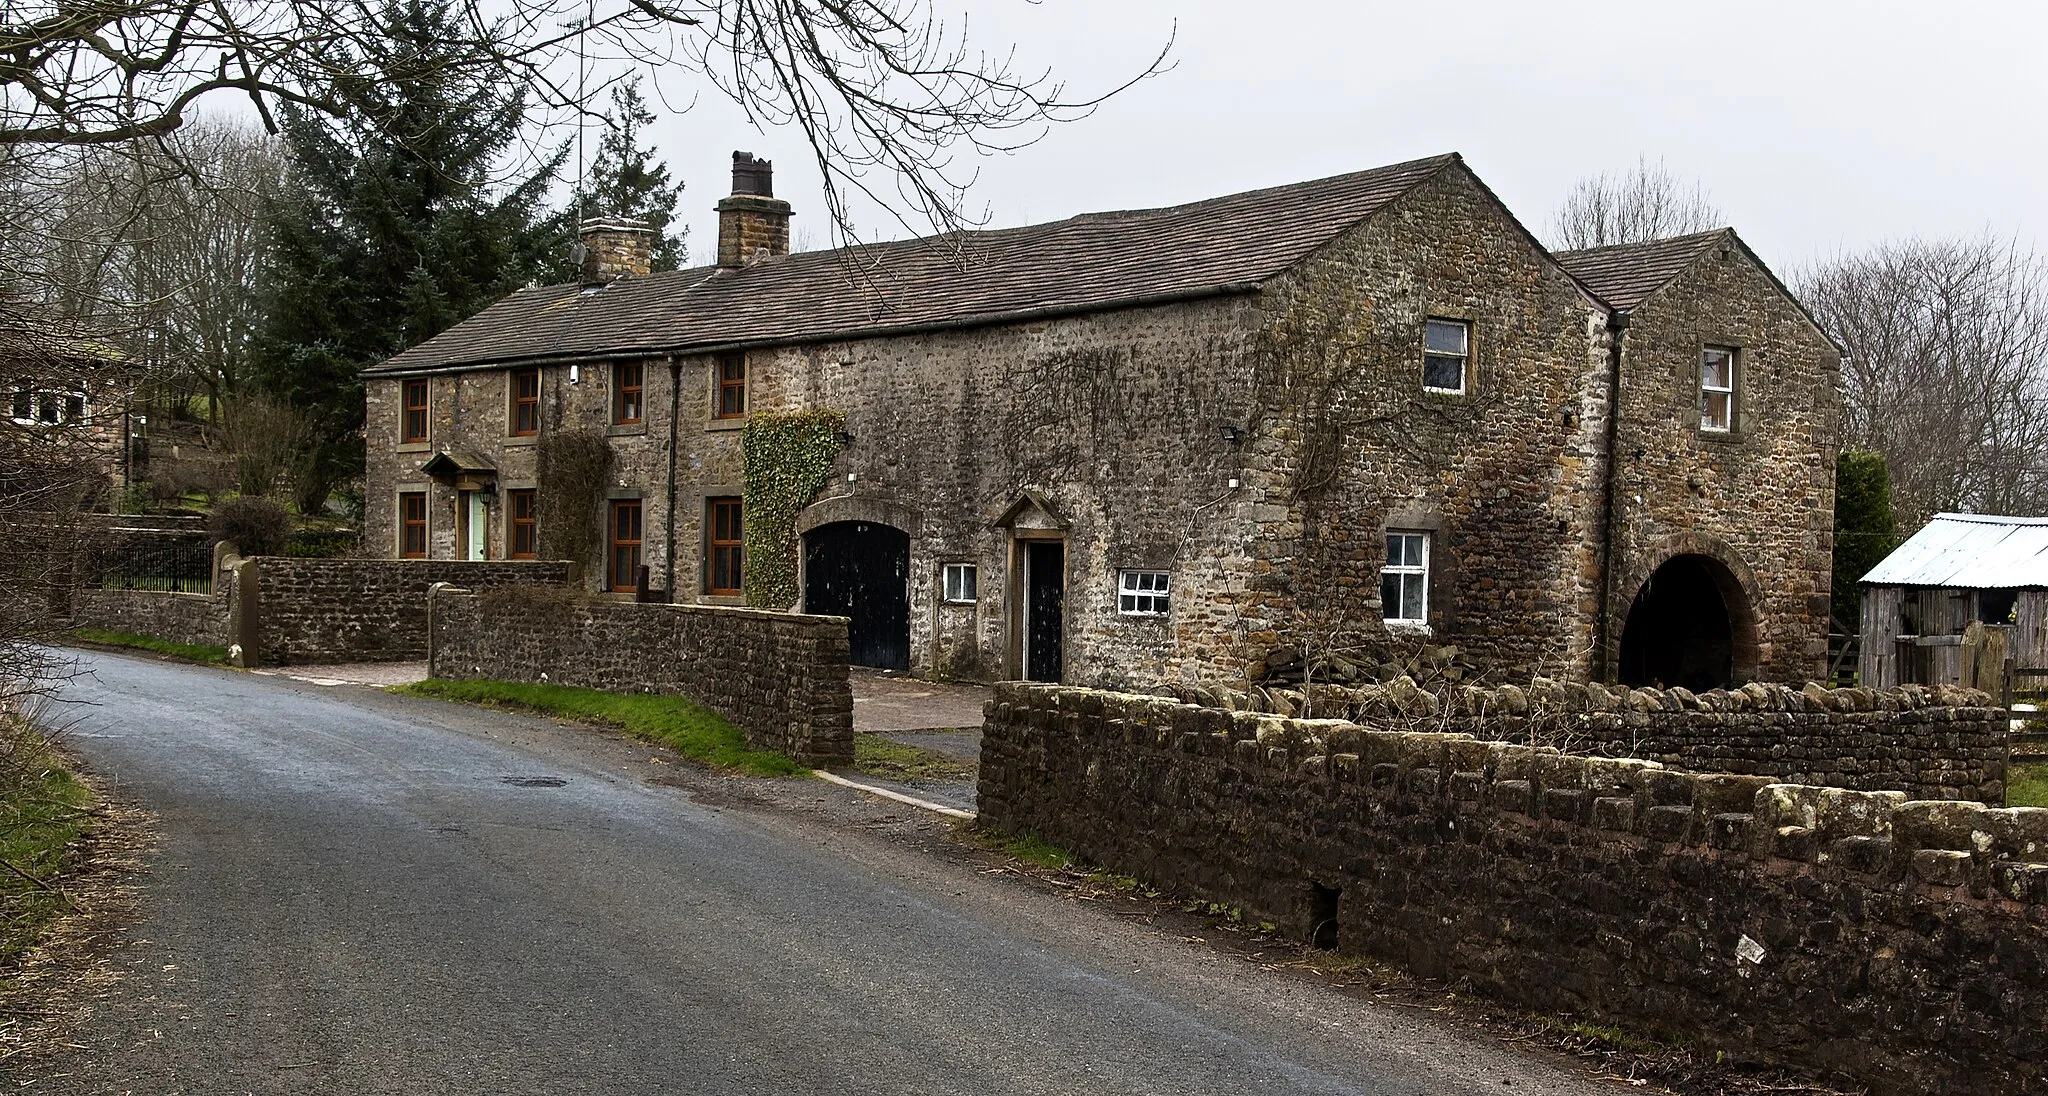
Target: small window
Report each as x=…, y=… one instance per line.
x=47, y=408
x=962, y=583
x=1446, y=345
x=415, y=424
x=525, y=402
x=625, y=542
x=520, y=508
x=725, y=552
x=1404, y=581
x=74, y=406
x=24, y=403
x=1141, y=593
x=627, y=407
x=412, y=525
x=732, y=385
x=1717, y=389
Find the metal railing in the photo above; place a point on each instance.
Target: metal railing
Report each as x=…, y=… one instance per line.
x=171, y=568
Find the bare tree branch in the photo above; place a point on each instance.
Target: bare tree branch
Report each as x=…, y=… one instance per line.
x=1647, y=202
x=886, y=92
x=1947, y=369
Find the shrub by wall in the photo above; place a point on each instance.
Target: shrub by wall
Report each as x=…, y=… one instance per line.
x=1900, y=944
x=779, y=677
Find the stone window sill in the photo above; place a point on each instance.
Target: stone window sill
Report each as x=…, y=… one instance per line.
x=625, y=430
x=729, y=600
x=1409, y=628
x=512, y=440
x=737, y=422
x=416, y=447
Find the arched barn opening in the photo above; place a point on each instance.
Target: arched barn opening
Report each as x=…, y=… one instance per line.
x=861, y=570
x=1691, y=625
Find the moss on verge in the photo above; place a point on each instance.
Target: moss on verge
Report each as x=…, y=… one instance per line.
x=690, y=729
x=43, y=814
x=190, y=652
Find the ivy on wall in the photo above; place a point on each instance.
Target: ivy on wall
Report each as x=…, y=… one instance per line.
x=787, y=457
x=574, y=468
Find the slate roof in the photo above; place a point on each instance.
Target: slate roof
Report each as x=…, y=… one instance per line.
x=1971, y=552
x=1624, y=275
x=1095, y=261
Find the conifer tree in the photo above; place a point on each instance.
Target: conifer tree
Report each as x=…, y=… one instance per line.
x=399, y=219
x=626, y=179
x=1864, y=529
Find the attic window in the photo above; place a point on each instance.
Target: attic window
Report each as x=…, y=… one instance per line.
x=1717, y=389
x=1446, y=346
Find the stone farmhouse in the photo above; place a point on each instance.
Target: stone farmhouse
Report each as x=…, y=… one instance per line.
x=1369, y=415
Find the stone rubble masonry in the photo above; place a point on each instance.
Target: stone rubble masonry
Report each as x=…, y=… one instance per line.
x=1938, y=743
x=1900, y=944
x=779, y=677
x=365, y=610
x=200, y=619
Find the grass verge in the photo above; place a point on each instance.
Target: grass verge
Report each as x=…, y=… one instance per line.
x=690, y=729
x=891, y=760
x=43, y=813
x=190, y=652
x=2027, y=785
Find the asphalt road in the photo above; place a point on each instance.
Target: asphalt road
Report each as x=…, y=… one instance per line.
x=360, y=893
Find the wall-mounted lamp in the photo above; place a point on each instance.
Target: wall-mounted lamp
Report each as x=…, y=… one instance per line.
x=575, y=373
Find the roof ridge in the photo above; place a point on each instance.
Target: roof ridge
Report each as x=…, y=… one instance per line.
x=1645, y=244
x=1096, y=216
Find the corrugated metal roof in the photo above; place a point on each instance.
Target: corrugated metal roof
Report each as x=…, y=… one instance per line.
x=1969, y=551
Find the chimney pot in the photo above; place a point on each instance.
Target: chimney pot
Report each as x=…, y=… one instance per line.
x=752, y=224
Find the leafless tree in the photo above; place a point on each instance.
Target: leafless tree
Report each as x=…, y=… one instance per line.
x=886, y=92
x=1647, y=202
x=1946, y=369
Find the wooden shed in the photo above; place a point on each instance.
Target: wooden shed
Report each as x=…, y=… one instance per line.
x=1958, y=570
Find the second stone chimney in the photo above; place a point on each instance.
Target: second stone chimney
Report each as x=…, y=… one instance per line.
x=753, y=223
x=614, y=248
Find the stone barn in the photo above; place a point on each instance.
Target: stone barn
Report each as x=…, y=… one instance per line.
x=1361, y=425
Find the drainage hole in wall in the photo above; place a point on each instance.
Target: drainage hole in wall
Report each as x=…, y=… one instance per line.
x=1322, y=915
x=534, y=781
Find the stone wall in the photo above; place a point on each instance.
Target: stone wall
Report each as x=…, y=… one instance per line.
x=780, y=677
x=200, y=619
x=1938, y=743
x=1758, y=499
x=364, y=610
x=1898, y=944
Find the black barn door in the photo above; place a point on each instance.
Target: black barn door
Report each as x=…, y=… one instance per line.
x=861, y=570
x=1045, y=618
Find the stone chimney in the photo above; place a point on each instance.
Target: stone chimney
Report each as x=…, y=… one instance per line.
x=752, y=224
x=614, y=248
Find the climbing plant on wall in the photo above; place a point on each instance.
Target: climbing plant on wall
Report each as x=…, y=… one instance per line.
x=788, y=457
x=574, y=467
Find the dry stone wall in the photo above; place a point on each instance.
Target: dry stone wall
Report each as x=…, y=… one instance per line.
x=1931, y=743
x=365, y=610
x=780, y=677
x=1903, y=945
x=200, y=619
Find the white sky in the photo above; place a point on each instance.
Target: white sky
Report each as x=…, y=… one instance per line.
x=1815, y=125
